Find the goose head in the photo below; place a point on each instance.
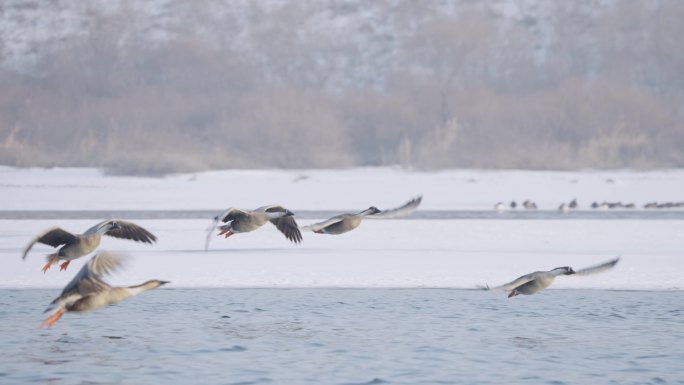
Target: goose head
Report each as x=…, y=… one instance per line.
x=371, y=211
x=121, y=293
x=278, y=212
x=565, y=270
x=107, y=226
x=153, y=284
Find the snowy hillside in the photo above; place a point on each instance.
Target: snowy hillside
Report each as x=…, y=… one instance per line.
x=357, y=41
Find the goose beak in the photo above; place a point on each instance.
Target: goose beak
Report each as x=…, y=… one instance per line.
x=163, y=282
x=289, y=213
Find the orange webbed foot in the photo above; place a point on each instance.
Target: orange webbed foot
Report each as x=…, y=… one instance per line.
x=48, y=323
x=225, y=230
x=64, y=265
x=52, y=260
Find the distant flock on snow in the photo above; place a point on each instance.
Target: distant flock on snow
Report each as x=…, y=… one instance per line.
x=88, y=291
x=573, y=205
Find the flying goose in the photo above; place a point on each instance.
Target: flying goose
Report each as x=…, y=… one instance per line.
x=244, y=221
x=87, y=291
x=535, y=282
x=342, y=223
x=77, y=245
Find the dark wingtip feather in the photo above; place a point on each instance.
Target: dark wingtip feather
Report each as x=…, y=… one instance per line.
x=288, y=226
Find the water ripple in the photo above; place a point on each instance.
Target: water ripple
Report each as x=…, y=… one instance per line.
x=350, y=336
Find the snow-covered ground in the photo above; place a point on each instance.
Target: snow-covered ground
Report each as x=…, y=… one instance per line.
x=385, y=253
x=353, y=189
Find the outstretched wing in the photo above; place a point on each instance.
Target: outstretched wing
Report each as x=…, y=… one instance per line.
x=53, y=237
x=89, y=278
x=514, y=284
x=398, y=212
x=129, y=230
x=321, y=225
x=288, y=226
x=209, y=231
x=598, y=268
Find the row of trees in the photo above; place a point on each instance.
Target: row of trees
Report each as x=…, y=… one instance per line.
x=468, y=89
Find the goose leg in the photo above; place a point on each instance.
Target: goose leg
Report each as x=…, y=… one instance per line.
x=513, y=294
x=52, y=260
x=53, y=319
x=225, y=230
x=64, y=265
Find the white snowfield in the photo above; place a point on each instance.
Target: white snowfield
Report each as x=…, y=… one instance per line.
x=380, y=253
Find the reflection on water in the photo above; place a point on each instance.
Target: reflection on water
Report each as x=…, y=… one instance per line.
x=349, y=336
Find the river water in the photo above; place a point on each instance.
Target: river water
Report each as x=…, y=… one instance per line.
x=348, y=336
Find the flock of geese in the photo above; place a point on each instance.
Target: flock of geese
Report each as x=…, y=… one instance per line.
x=88, y=291
x=573, y=205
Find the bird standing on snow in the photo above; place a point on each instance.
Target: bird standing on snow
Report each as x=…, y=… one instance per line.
x=78, y=245
x=244, y=221
x=87, y=291
x=535, y=282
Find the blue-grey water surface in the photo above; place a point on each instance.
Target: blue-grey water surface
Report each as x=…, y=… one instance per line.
x=348, y=336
